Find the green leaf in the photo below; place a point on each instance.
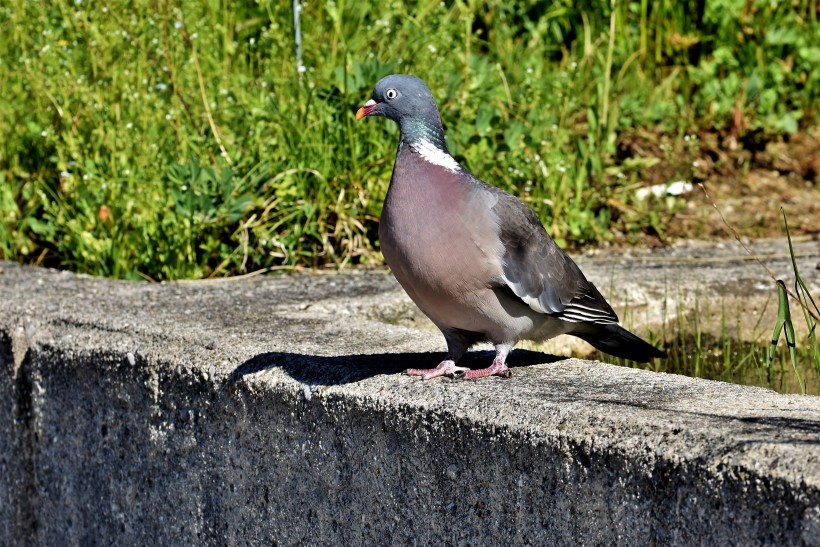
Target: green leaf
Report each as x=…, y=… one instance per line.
x=786, y=123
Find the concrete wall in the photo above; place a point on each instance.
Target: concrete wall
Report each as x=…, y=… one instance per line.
x=271, y=410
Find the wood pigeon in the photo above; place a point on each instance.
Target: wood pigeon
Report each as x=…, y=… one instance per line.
x=475, y=259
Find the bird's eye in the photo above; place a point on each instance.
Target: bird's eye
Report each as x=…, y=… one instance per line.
x=391, y=94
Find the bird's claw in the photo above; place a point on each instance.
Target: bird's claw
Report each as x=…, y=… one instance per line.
x=449, y=369
x=445, y=368
x=496, y=369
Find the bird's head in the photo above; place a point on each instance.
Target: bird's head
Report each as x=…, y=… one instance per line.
x=400, y=97
x=407, y=101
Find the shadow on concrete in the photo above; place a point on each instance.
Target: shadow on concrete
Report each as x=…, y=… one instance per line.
x=766, y=429
x=345, y=369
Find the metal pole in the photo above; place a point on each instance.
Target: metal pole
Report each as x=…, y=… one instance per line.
x=297, y=31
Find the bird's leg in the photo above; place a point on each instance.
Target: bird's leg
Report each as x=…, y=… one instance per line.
x=445, y=368
x=498, y=368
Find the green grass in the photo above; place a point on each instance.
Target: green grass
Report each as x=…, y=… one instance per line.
x=738, y=351
x=177, y=140
x=735, y=353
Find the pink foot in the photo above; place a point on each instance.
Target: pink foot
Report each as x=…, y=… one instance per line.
x=445, y=368
x=498, y=368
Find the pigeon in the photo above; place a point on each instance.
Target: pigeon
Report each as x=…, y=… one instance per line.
x=474, y=258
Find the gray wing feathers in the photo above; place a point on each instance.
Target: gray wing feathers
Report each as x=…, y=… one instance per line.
x=540, y=273
x=590, y=308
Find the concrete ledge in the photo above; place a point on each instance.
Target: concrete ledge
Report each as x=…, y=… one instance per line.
x=270, y=410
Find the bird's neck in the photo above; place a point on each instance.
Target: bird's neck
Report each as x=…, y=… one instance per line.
x=426, y=138
x=418, y=130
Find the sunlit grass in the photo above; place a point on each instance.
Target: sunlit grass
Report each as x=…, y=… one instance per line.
x=734, y=353
x=737, y=349
x=177, y=140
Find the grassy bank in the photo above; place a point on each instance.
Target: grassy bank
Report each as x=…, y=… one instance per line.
x=178, y=139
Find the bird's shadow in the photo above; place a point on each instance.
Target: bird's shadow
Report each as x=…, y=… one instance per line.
x=345, y=369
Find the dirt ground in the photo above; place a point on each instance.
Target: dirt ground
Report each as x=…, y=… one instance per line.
x=748, y=182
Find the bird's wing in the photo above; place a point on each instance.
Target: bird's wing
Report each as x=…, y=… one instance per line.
x=541, y=274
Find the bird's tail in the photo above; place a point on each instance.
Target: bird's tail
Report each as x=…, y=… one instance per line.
x=616, y=340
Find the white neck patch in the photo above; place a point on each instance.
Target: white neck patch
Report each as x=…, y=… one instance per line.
x=435, y=155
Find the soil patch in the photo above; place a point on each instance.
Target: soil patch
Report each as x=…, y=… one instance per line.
x=748, y=181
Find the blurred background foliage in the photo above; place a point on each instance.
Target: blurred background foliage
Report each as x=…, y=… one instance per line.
x=170, y=140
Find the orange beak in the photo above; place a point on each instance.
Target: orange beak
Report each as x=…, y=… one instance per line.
x=366, y=109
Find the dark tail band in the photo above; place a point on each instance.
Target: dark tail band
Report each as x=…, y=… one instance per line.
x=616, y=340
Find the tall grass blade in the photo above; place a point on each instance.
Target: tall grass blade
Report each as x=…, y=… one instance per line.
x=784, y=319
x=805, y=298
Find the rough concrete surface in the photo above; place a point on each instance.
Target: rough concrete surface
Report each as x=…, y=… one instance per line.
x=271, y=410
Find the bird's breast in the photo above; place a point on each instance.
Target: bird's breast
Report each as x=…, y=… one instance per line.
x=440, y=238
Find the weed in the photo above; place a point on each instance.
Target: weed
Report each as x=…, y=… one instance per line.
x=179, y=139
x=726, y=355
x=735, y=353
